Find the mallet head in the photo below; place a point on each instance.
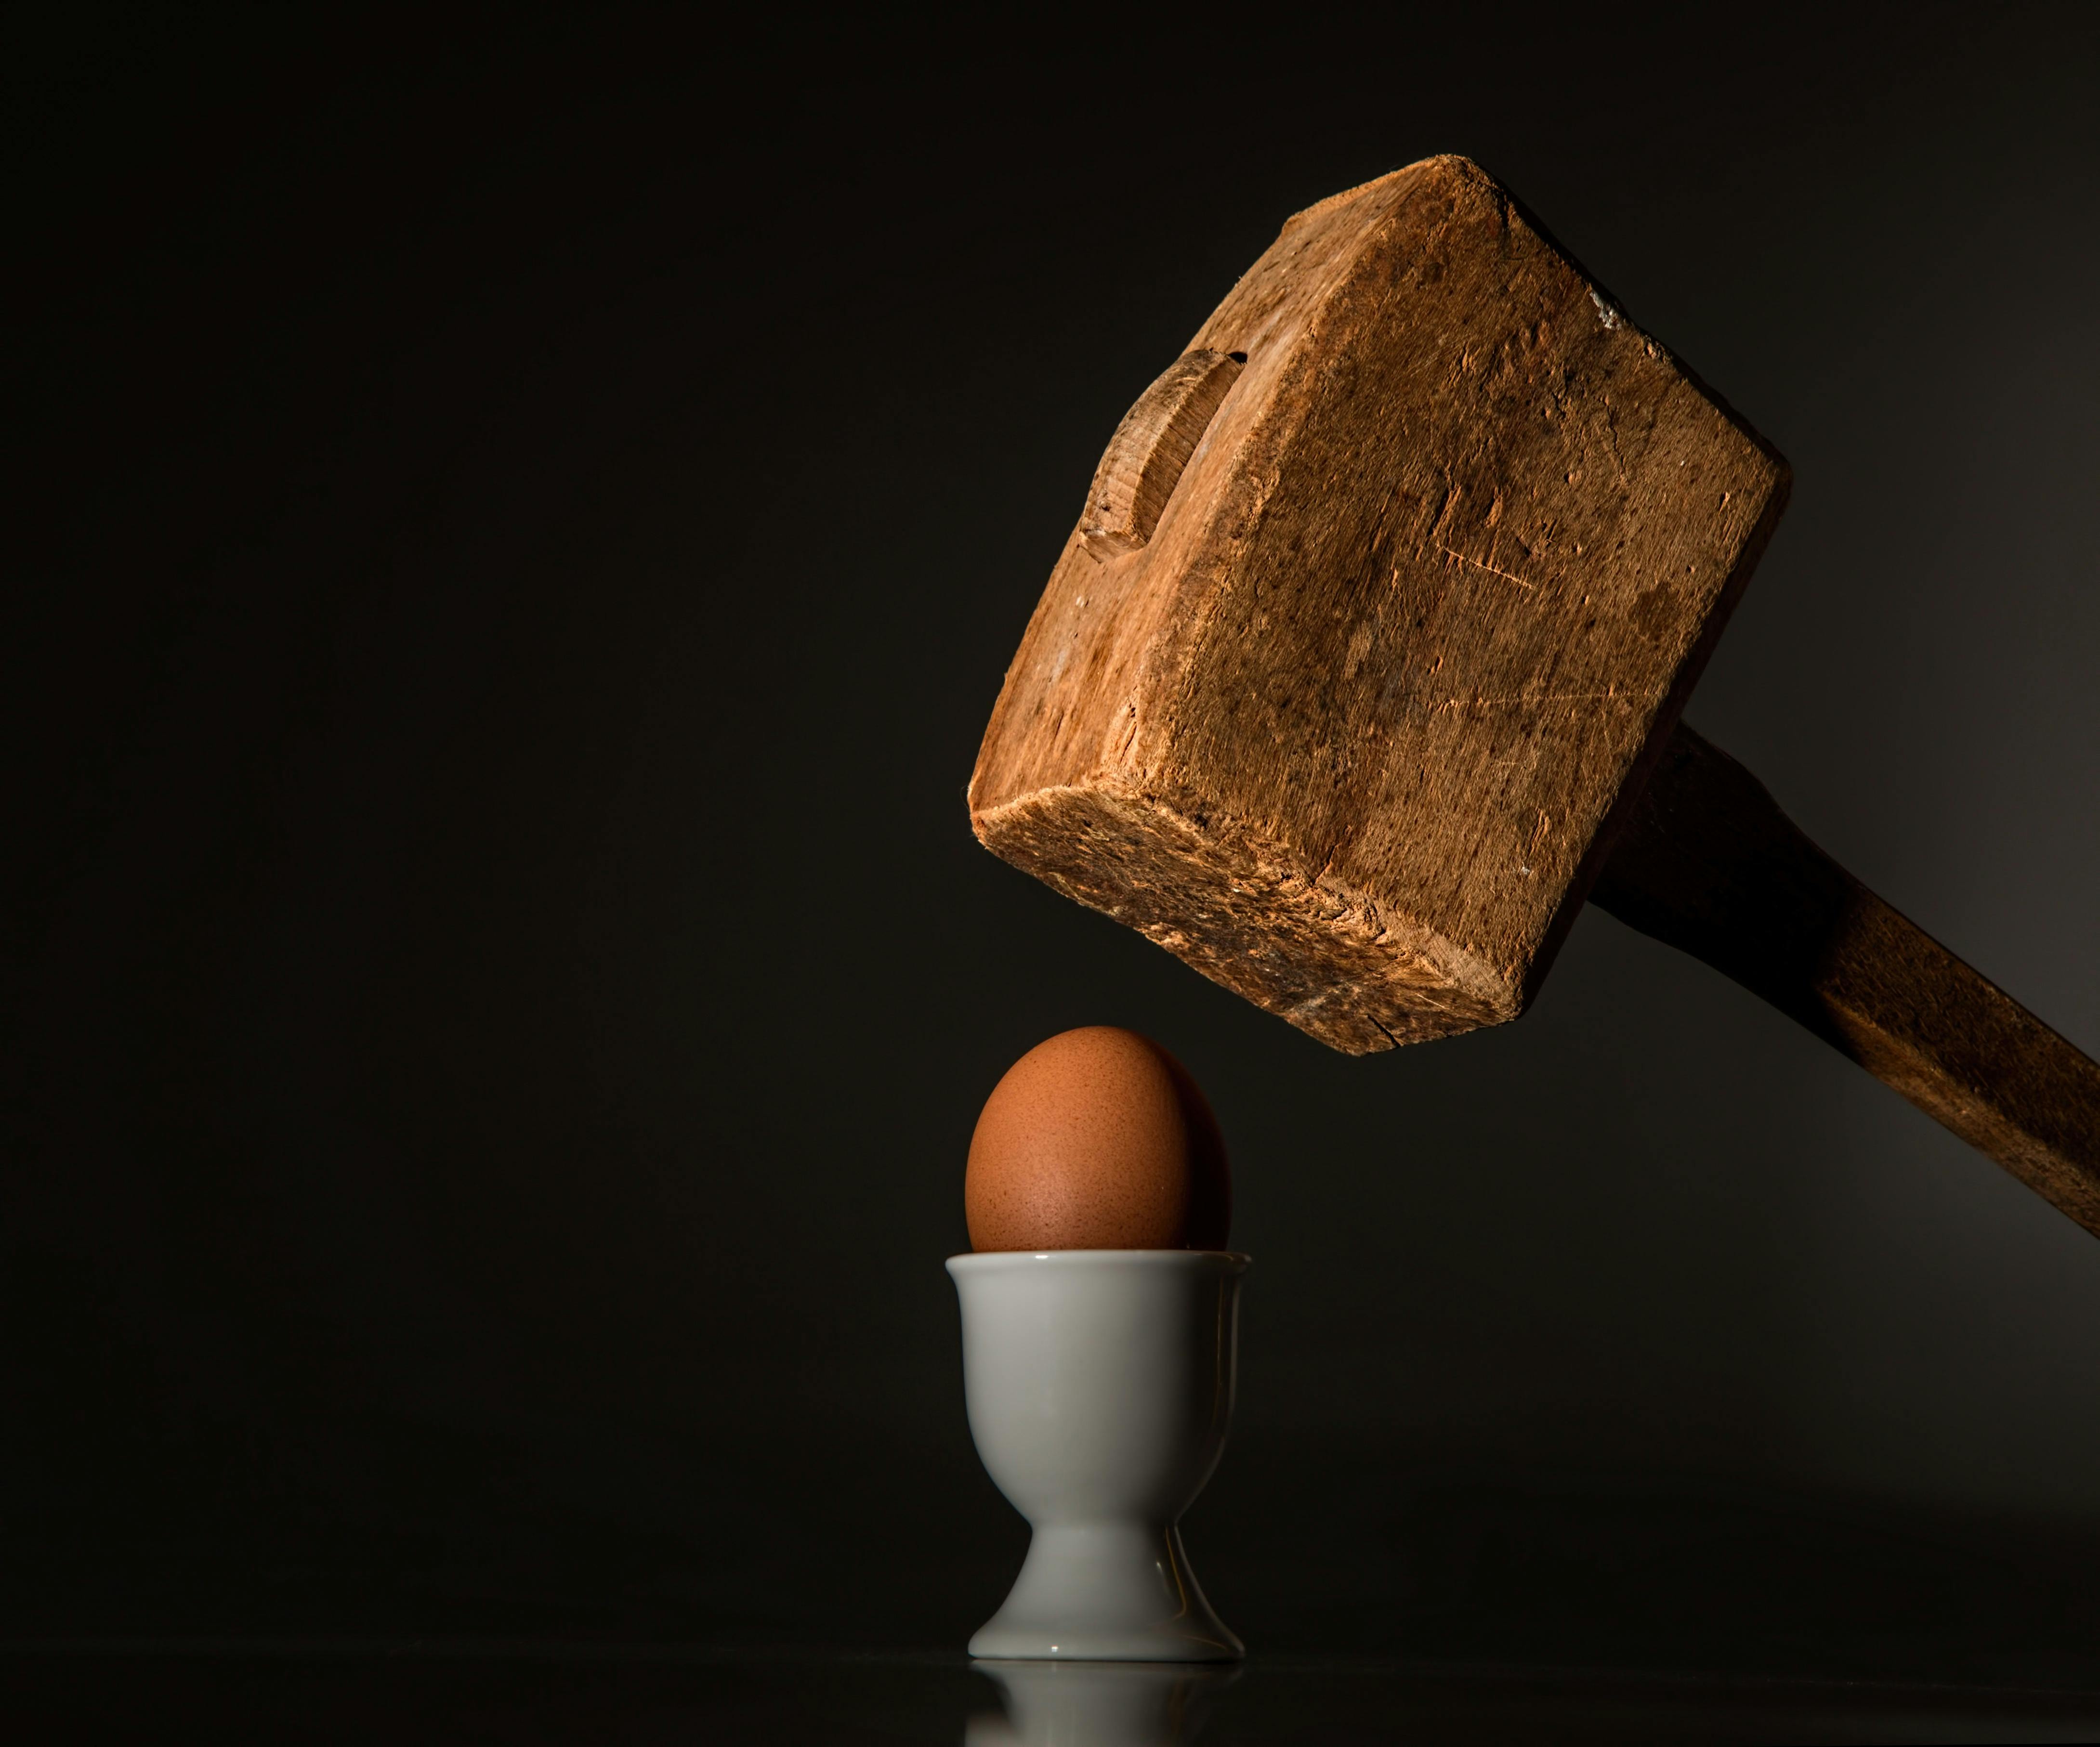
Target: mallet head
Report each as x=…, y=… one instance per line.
x=1384, y=599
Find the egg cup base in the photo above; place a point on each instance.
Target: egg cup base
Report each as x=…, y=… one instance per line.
x=1095, y=1593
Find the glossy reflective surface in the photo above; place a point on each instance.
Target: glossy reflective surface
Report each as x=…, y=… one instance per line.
x=1045, y=1704
x=498, y=1693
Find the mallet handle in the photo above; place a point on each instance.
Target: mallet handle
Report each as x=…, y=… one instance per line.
x=1707, y=862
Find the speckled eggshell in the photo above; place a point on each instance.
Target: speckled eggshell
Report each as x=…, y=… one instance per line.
x=1098, y=1139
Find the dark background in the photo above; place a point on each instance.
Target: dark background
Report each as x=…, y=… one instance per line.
x=517, y=530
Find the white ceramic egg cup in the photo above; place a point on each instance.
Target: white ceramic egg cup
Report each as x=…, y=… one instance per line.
x=1100, y=1386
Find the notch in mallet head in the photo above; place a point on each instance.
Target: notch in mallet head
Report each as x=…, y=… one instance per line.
x=1362, y=669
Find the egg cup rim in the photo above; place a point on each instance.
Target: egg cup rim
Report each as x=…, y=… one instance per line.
x=975, y=1261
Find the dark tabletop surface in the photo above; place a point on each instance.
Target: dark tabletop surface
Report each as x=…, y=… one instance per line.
x=493, y=1691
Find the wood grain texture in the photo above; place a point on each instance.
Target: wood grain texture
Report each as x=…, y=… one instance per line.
x=1150, y=449
x=1708, y=863
x=1348, y=731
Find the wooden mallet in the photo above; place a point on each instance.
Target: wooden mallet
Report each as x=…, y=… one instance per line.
x=1363, y=666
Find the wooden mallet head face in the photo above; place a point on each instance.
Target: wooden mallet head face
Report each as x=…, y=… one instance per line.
x=1384, y=598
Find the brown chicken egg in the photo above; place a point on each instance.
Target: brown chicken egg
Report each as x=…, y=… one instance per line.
x=1098, y=1139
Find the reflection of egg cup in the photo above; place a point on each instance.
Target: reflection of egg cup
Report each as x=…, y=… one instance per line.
x=1054, y=1703
x=1100, y=1385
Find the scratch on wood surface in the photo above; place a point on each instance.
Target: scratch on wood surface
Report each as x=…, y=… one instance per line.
x=1478, y=700
x=1130, y=732
x=1482, y=565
